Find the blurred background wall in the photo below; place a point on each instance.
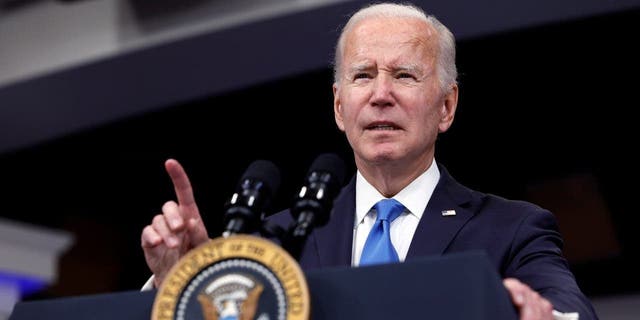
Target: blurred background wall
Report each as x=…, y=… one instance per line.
x=96, y=94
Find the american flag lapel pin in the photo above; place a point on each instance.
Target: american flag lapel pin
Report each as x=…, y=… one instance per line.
x=448, y=213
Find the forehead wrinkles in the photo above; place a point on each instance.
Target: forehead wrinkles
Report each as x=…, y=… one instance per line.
x=395, y=41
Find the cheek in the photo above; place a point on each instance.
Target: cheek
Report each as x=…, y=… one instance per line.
x=349, y=107
x=348, y=118
x=356, y=94
x=425, y=116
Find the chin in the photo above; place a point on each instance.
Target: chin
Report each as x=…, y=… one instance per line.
x=381, y=155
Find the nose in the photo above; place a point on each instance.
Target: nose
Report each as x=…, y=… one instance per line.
x=382, y=91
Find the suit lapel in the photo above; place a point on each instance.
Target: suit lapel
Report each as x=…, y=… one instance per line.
x=435, y=231
x=334, y=241
x=432, y=237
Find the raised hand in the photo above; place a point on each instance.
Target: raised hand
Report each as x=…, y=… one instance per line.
x=177, y=230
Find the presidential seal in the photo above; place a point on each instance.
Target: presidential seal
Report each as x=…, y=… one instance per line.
x=240, y=277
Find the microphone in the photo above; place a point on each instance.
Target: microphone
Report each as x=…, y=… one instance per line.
x=312, y=205
x=253, y=194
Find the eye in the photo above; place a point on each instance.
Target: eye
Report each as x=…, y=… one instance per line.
x=405, y=75
x=361, y=75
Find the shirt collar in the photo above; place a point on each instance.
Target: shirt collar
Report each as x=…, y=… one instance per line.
x=414, y=196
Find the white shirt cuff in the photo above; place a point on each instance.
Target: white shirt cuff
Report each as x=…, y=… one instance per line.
x=557, y=315
x=149, y=285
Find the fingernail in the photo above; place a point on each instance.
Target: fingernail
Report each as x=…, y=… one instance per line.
x=172, y=241
x=519, y=298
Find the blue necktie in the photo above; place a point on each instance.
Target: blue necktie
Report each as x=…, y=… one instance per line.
x=378, y=248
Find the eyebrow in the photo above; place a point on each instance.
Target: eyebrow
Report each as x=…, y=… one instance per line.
x=360, y=67
x=413, y=68
x=367, y=66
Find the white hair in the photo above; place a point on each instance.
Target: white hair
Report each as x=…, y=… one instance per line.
x=446, y=60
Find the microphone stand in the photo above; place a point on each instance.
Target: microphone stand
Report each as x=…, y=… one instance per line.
x=296, y=237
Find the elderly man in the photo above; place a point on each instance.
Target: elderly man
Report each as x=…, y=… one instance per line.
x=395, y=90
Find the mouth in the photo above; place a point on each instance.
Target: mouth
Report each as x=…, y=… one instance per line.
x=382, y=125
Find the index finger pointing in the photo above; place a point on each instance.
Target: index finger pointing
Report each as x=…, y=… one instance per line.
x=181, y=182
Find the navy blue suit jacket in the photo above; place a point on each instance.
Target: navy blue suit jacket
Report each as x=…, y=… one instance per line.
x=520, y=238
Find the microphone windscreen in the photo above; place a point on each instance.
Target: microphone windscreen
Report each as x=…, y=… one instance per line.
x=265, y=171
x=330, y=163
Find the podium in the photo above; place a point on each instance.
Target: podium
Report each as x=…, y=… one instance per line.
x=458, y=286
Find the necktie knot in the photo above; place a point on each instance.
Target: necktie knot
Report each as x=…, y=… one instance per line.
x=388, y=209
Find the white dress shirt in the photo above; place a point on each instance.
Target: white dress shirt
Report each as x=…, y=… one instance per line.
x=414, y=197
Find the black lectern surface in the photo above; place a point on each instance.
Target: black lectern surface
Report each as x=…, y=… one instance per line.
x=457, y=286
x=460, y=286
x=120, y=305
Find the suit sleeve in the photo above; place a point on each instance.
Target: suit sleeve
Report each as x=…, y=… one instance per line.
x=536, y=259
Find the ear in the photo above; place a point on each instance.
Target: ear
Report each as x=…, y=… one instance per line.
x=337, y=107
x=448, y=109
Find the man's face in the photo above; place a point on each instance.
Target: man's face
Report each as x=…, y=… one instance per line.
x=388, y=98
